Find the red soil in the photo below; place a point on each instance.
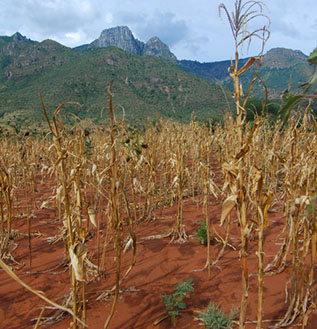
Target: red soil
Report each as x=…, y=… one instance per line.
x=160, y=265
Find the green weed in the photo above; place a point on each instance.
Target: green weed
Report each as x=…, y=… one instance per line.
x=174, y=303
x=202, y=233
x=214, y=318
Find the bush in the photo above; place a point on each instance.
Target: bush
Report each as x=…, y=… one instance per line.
x=202, y=233
x=174, y=303
x=214, y=318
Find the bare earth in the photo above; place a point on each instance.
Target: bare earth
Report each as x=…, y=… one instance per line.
x=160, y=265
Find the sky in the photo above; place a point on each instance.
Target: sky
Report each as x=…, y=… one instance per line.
x=191, y=28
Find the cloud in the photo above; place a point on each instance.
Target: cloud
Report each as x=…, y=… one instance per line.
x=57, y=15
x=286, y=29
x=50, y=18
x=197, y=48
x=192, y=30
x=164, y=25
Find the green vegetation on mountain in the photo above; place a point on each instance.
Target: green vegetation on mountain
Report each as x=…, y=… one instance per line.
x=214, y=71
x=144, y=87
x=279, y=67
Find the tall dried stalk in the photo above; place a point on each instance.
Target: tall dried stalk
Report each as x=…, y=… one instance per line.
x=5, y=189
x=180, y=179
x=204, y=178
x=114, y=211
x=239, y=19
x=300, y=182
x=75, y=249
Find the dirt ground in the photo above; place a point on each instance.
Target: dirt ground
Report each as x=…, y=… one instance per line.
x=159, y=266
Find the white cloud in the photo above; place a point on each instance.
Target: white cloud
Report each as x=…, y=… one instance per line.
x=164, y=25
x=192, y=29
x=109, y=18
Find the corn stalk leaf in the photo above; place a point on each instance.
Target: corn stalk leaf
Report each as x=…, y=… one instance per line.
x=78, y=253
x=286, y=109
x=38, y=293
x=266, y=204
x=246, y=147
x=227, y=207
x=92, y=216
x=248, y=64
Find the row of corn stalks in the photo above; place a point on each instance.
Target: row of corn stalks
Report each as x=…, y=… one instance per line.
x=118, y=176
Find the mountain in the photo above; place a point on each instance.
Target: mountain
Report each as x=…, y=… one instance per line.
x=279, y=65
x=122, y=37
x=144, y=86
x=213, y=71
x=155, y=47
x=15, y=39
x=11, y=46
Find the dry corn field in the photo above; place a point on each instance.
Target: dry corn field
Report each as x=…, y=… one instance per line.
x=96, y=223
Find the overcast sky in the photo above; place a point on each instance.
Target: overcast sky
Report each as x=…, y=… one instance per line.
x=191, y=28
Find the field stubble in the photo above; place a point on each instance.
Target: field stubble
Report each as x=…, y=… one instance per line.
x=71, y=231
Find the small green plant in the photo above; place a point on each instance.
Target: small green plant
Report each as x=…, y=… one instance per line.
x=214, y=318
x=311, y=207
x=174, y=303
x=202, y=233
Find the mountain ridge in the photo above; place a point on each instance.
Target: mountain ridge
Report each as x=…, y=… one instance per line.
x=123, y=38
x=279, y=67
x=143, y=85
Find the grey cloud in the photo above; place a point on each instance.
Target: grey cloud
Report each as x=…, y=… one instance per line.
x=285, y=29
x=52, y=17
x=192, y=30
x=197, y=45
x=166, y=26
x=66, y=18
x=125, y=18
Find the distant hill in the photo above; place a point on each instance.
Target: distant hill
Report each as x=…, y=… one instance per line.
x=279, y=66
x=213, y=71
x=13, y=41
x=148, y=80
x=144, y=86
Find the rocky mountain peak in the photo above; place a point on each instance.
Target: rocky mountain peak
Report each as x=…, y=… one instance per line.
x=10, y=46
x=155, y=47
x=154, y=40
x=123, y=38
x=18, y=37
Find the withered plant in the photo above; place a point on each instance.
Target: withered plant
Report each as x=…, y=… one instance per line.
x=242, y=15
x=75, y=248
x=202, y=146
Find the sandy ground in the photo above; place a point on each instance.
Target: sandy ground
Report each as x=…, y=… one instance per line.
x=159, y=266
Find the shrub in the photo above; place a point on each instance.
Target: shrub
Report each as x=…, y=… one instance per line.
x=202, y=233
x=174, y=303
x=214, y=318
